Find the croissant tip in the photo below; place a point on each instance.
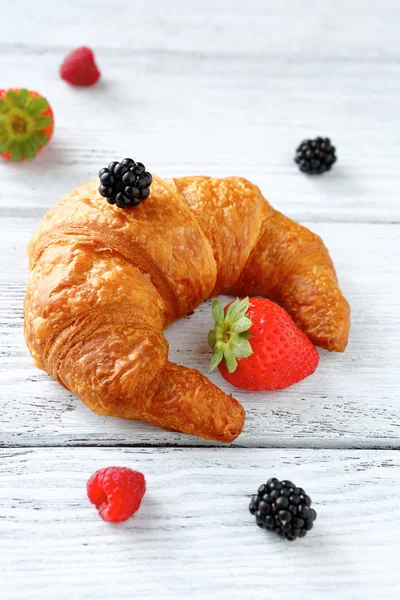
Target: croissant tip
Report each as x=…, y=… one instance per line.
x=338, y=344
x=235, y=427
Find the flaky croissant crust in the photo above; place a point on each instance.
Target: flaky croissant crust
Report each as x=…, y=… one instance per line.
x=104, y=283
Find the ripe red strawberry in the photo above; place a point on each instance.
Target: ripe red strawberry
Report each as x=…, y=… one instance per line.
x=117, y=492
x=26, y=124
x=278, y=355
x=79, y=68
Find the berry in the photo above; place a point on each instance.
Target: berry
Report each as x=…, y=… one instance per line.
x=117, y=492
x=79, y=68
x=290, y=522
x=315, y=156
x=125, y=183
x=26, y=124
x=257, y=346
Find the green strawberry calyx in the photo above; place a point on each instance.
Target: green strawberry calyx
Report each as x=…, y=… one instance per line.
x=230, y=337
x=22, y=121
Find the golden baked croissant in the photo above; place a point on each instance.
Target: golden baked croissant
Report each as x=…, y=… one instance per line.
x=106, y=282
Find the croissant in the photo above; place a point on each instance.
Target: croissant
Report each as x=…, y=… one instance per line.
x=104, y=283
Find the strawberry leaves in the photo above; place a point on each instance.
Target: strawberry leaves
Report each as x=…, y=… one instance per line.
x=42, y=121
x=22, y=98
x=218, y=355
x=11, y=99
x=230, y=337
x=217, y=312
x=36, y=106
x=16, y=151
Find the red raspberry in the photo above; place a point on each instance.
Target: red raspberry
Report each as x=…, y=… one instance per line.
x=117, y=492
x=79, y=68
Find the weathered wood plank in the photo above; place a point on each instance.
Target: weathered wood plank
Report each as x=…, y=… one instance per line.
x=352, y=399
x=336, y=28
x=194, y=88
x=193, y=536
x=215, y=88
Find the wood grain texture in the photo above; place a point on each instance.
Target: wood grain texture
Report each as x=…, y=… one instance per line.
x=352, y=399
x=220, y=89
x=193, y=535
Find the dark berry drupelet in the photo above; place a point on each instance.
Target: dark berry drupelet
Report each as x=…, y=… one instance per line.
x=315, y=156
x=282, y=507
x=125, y=183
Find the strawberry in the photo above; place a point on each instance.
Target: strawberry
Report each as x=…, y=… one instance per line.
x=79, y=68
x=277, y=355
x=26, y=124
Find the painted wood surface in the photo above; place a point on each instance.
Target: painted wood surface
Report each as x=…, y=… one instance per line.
x=193, y=536
x=352, y=399
x=212, y=87
x=219, y=88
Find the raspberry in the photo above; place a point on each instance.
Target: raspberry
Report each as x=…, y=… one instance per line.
x=79, y=68
x=117, y=492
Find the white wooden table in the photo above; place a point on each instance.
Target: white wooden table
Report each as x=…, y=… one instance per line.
x=214, y=88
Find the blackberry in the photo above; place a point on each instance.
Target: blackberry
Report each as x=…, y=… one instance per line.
x=125, y=183
x=282, y=507
x=315, y=156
